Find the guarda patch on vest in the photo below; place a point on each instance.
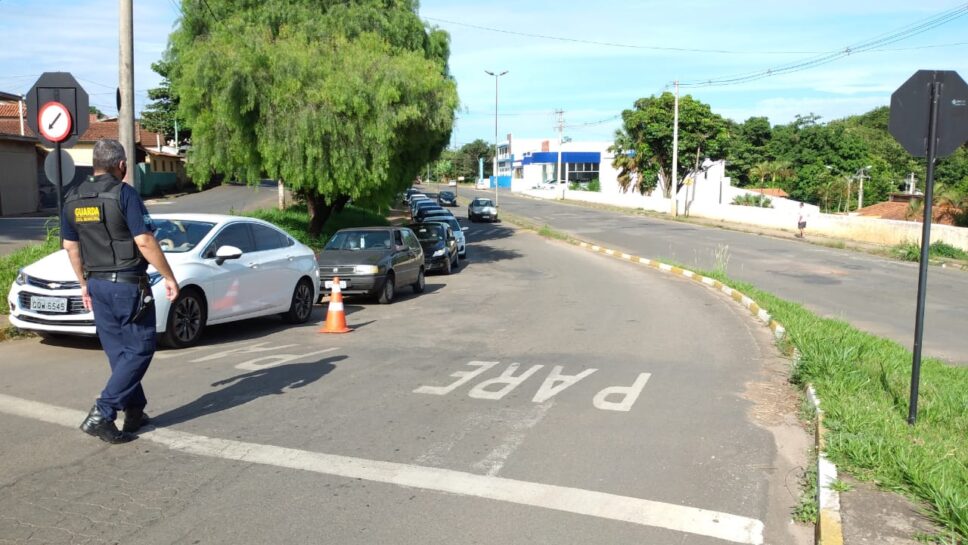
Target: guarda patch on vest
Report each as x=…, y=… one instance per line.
x=87, y=214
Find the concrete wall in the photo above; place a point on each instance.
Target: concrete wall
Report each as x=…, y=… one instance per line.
x=783, y=216
x=18, y=177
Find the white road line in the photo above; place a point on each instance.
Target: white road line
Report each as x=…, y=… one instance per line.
x=494, y=462
x=643, y=512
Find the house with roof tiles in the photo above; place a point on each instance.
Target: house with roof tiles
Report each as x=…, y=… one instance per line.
x=22, y=179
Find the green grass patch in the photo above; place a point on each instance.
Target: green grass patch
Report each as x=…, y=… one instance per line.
x=11, y=264
x=808, y=509
x=548, y=232
x=295, y=220
x=863, y=382
x=911, y=251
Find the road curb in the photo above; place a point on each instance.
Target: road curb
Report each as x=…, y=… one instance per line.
x=829, y=526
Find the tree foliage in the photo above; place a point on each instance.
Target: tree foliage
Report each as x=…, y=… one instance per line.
x=815, y=162
x=160, y=115
x=643, y=146
x=340, y=99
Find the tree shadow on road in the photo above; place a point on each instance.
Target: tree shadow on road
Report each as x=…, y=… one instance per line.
x=247, y=387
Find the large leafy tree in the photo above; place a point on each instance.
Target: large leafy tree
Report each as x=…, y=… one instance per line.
x=643, y=146
x=340, y=99
x=161, y=114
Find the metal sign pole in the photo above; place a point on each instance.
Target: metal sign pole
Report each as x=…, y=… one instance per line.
x=59, y=186
x=925, y=246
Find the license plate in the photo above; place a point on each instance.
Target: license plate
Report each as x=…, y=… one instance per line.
x=328, y=284
x=48, y=304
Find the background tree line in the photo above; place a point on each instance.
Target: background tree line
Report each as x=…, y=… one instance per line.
x=814, y=162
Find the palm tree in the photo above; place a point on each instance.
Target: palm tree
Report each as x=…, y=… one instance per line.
x=761, y=171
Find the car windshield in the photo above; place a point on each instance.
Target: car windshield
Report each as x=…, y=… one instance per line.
x=359, y=240
x=482, y=202
x=446, y=194
x=429, y=233
x=177, y=236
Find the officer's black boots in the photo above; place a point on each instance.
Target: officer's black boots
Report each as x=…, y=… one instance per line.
x=134, y=419
x=95, y=424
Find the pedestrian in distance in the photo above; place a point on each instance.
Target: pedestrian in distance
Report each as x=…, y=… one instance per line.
x=801, y=221
x=109, y=238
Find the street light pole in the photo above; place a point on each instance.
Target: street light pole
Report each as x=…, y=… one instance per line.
x=496, y=183
x=675, y=154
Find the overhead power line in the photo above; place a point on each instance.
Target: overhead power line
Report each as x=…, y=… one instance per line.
x=872, y=44
x=667, y=48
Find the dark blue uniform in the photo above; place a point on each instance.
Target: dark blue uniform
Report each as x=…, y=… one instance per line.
x=128, y=344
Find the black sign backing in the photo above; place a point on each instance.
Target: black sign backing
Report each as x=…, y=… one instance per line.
x=63, y=88
x=910, y=112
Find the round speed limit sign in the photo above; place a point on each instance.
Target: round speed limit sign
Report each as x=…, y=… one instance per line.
x=54, y=121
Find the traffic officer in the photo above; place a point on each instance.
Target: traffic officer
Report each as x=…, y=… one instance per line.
x=109, y=238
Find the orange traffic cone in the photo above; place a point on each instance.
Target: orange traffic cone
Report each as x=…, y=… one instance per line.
x=335, y=315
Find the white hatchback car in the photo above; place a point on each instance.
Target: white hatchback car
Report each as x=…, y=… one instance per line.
x=228, y=268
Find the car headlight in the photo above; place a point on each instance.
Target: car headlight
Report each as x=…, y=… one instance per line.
x=366, y=269
x=439, y=252
x=154, y=278
x=21, y=277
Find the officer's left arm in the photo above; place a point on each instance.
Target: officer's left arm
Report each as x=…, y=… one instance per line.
x=73, y=248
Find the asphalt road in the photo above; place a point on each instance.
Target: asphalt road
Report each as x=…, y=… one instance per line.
x=541, y=394
x=874, y=294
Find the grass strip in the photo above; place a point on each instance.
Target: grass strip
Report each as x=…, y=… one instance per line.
x=11, y=264
x=863, y=382
x=295, y=221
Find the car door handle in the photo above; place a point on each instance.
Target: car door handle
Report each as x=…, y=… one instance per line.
x=253, y=265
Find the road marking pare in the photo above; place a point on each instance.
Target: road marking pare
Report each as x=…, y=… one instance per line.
x=613, y=398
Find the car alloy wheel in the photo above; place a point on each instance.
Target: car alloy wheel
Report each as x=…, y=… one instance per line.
x=302, y=303
x=186, y=319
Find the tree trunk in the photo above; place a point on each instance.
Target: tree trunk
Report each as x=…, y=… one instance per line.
x=319, y=212
x=340, y=203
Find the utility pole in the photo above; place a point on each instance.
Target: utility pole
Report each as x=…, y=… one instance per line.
x=126, y=89
x=675, y=155
x=560, y=114
x=496, y=183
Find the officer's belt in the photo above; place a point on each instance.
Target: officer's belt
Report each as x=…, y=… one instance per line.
x=123, y=277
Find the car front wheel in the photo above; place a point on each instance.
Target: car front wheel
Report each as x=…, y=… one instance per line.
x=388, y=292
x=186, y=320
x=301, y=307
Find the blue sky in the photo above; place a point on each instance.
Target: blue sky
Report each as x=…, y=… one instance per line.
x=590, y=82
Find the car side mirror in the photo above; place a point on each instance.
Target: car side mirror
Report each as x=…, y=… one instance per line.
x=227, y=252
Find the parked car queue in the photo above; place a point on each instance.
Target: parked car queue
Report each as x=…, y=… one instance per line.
x=233, y=268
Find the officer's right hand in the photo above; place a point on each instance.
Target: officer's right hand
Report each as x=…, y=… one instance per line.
x=171, y=289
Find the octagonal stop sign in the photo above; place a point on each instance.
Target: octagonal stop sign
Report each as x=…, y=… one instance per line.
x=911, y=112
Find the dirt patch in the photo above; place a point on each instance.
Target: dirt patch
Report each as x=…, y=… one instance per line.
x=876, y=517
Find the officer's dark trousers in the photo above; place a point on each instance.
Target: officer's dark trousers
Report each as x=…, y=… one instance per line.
x=128, y=345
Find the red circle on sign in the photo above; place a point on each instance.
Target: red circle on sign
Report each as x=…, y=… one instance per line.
x=54, y=121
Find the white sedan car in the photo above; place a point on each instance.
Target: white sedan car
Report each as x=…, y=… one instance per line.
x=228, y=268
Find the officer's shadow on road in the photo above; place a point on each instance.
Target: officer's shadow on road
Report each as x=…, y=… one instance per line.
x=247, y=387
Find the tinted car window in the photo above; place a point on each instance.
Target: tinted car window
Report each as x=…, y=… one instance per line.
x=429, y=232
x=411, y=240
x=398, y=238
x=267, y=238
x=236, y=234
x=482, y=202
